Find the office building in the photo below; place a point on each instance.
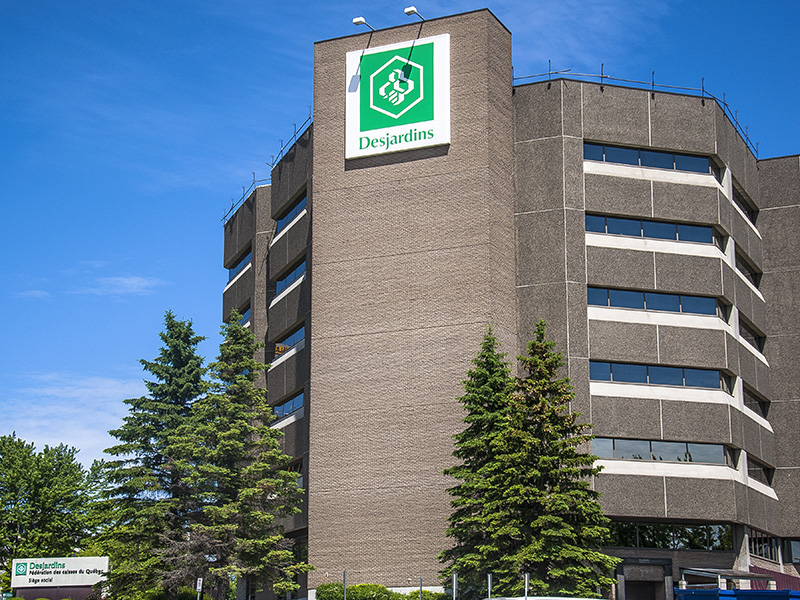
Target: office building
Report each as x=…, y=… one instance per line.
x=431, y=197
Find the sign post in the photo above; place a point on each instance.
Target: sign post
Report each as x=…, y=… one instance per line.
x=199, y=587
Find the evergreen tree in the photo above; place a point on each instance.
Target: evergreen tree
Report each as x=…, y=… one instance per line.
x=486, y=390
x=233, y=462
x=44, y=501
x=529, y=507
x=144, y=495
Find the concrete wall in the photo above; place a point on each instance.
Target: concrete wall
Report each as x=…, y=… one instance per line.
x=413, y=258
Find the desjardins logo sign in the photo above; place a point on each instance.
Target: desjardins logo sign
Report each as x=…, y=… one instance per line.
x=398, y=97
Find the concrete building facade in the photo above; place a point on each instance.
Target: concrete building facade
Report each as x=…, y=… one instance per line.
x=637, y=223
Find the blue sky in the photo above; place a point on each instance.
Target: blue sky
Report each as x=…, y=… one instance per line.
x=126, y=129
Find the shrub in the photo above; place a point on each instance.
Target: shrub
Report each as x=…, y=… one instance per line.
x=330, y=591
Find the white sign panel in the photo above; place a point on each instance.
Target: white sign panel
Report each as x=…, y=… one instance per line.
x=54, y=572
x=398, y=97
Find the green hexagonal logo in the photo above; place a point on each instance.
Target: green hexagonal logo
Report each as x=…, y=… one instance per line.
x=396, y=87
x=399, y=87
x=21, y=568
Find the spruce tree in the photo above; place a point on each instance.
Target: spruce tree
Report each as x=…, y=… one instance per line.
x=232, y=460
x=144, y=494
x=485, y=400
x=529, y=507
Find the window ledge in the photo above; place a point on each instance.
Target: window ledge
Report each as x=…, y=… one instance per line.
x=286, y=355
x=291, y=224
x=285, y=292
x=238, y=275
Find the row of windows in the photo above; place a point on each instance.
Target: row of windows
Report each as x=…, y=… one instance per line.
x=673, y=536
x=751, y=273
x=759, y=472
x=658, y=230
x=763, y=545
x=245, y=316
x=753, y=337
x=241, y=264
x=747, y=207
x=295, y=209
x=650, y=158
x=698, y=305
x=659, y=450
x=290, y=277
x=756, y=404
x=656, y=375
x=290, y=341
x=292, y=405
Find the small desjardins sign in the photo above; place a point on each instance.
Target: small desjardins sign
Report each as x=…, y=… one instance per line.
x=398, y=97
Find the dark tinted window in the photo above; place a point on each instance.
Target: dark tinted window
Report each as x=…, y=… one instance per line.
x=595, y=223
x=629, y=373
x=701, y=378
x=626, y=299
x=697, y=305
x=599, y=371
x=662, y=160
x=698, y=164
x=624, y=226
x=669, y=302
x=593, y=152
x=625, y=156
x=597, y=296
x=691, y=537
x=671, y=451
x=603, y=447
x=695, y=233
x=706, y=453
x=632, y=449
x=661, y=231
x=666, y=375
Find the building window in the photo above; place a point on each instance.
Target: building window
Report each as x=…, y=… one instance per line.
x=297, y=467
x=295, y=209
x=759, y=471
x=657, y=375
x=745, y=204
x=288, y=279
x=662, y=451
x=290, y=341
x=240, y=265
x=245, y=315
x=754, y=403
x=650, y=158
x=749, y=333
x=616, y=298
x=672, y=536
x=748, y=270
x=289, y=407
x=763, y=545
x=657, y=230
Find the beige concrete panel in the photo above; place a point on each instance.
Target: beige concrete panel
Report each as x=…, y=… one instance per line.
x=288, y=311
x=578, y=341
x=763, y=511
x=539, y=178
x=634, y=418
x=572, y=117
x=786, y=483
x=699, y=499
x=782, y=290
x=782, y=352
x=578, y=372
x=682, y=123
x=548, y=302
x=239, y=231
x=631, y=496
x=622, y=196
x=683, y=273
x=747, y=366
x=763, y=380
x=542, y=234
x=623, y=342
x=573, y=173
x=779, y=183
x=615, y=115
x=685, y=203
x=737, y=428
x=700, y=348
x=239, y=294
x=782, y=246
x=538, y=111
x=614, y=267
x=695, y=422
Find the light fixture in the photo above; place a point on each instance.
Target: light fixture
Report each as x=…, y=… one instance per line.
x=412, y=10
x=362, y=21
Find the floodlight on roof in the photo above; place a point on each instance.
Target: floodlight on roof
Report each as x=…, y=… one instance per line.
x=362, y=21
x=412, y=10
